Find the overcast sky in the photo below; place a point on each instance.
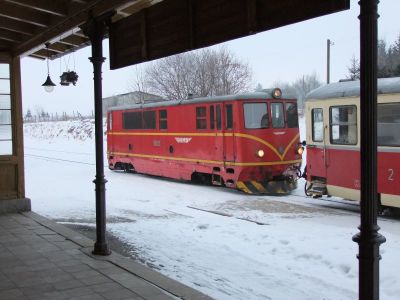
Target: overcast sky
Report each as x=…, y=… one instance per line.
x=280, y=55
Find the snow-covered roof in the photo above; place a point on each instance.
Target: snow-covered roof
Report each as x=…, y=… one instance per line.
x=265, y=94
x=352, y=89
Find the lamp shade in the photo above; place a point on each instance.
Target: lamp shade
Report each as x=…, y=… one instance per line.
x=48, y=85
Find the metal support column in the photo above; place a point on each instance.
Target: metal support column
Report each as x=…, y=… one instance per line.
x=368, y=238
x=95, y=29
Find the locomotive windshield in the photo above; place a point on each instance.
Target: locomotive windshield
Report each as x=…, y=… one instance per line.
x=292, y=118
x=256, y=115
x=278, y=119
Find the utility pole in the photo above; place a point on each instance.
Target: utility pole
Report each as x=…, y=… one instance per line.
x=329, y=43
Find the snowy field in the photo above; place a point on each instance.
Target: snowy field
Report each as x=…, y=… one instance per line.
x=222, y=242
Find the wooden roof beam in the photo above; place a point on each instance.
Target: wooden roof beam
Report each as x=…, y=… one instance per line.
x=80, y=1
x=57, y=8
x=74, y=40
x=43, y=53
x=76, y=17
x=16, y=26
x=60, y=47
x=24, y=14
x=10, y=36
x=5, y=45
x=37, y=56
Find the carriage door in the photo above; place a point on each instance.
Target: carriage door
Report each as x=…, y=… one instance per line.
x=316, y=146
x=228, y=133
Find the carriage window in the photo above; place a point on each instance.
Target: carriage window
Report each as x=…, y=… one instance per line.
x=389, y=124
x=317, y=119
x=278, y=120
x=163, y=119
x=6, y=140
x=292, y=118
x=212, y=121
x=229, y=116
x=218, y=111
x=343, y=125
x=201, y=118
x=149, y=119
x=132, y=120
x=255, y=115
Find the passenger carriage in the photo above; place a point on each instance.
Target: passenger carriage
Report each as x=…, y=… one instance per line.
x=333, y=141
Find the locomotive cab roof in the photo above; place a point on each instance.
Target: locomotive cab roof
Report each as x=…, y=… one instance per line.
x=263, y=94
x=345, y=89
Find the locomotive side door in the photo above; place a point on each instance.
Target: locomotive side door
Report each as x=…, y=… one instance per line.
x=316, y=143
x=215, y=127
x=228, y=134
x=110, y=142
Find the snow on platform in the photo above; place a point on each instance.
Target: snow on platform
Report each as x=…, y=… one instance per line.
x=226, y=244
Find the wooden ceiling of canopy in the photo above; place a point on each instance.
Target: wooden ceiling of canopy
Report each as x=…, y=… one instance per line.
x=175, y=26
x=26, y=25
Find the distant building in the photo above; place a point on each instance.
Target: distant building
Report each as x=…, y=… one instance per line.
x=129, y=98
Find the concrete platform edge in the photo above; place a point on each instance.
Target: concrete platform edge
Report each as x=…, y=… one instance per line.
x=163, y=282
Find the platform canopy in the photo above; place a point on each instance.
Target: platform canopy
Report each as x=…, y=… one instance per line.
x=169, y=27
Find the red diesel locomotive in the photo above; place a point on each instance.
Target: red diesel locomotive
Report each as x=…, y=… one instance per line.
x=248, y=141
x=333, y=141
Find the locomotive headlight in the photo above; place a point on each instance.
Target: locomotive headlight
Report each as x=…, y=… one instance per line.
x=277, y=93
x=260, y=153
x=300, y=150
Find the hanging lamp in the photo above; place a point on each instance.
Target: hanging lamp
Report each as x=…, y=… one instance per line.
x=48, y=84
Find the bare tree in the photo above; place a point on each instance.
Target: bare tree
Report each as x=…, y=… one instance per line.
x=138, y=84
x=205, y=72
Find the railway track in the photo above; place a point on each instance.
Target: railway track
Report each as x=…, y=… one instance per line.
x=49, y=158
x=337, y=204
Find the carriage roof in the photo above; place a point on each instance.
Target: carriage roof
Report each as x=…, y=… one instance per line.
x=262, y=95
x=351, y=88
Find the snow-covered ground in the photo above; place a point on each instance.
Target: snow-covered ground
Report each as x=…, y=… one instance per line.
x=227, y=244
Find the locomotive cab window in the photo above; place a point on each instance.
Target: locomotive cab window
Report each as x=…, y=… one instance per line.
x=343, y=125
x=201, y=118
x=278, y=119
x=389, y=124
x=292, y=117
x=163, y=119
x=255, y=115
x=317, y=119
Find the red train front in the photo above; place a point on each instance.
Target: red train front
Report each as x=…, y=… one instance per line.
x=248, y=141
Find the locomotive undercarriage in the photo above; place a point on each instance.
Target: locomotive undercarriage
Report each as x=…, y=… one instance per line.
x=274, y=185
